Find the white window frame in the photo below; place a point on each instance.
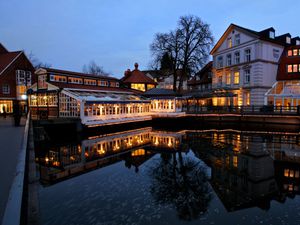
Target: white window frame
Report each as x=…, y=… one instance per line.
x=247, y=73
x=248, y=55
x=5, y=89
x=235, y=57
x=237, y=39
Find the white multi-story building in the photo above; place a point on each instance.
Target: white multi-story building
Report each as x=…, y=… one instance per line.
x=245, y=64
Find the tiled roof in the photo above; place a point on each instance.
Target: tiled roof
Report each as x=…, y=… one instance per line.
x=66, y=72
x=137, y=76
x=6, y=59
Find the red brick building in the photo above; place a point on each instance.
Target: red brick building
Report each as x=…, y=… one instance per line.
x=137, y=80
x=16, y=75
x=286, y=91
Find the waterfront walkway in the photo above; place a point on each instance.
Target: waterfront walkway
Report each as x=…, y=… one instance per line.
x=10, y=145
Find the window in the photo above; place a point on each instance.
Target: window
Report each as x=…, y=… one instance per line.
x=220, y=62
x=90, y=82
x=290, y=68
x=103, y=83
x=5, y=89
x=276, y=53
x=28, y=78
x=290, y=52
x=272, y=34
x=237, y=57
x=247, y=76
x=297, y=42
x=117, y=84
x=229, y=60
x=288, y=40
x=229, y=42
x=247, y=55
x=295, y=52
x=21, y=77
x=228, y=78
x=295, y=68
x=236, y=77
x=237, y=39
x=74, y=80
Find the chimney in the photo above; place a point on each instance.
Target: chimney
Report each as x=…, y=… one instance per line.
x=127, y=73
x=136, y=66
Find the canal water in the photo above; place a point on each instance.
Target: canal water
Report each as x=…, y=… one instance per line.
x=153, y=176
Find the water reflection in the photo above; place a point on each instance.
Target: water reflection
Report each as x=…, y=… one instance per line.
x=181, y=182
x=187, y=169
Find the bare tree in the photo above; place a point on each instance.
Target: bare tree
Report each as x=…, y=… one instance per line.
x=93, y=68
x=188, y=46
x=36, y=62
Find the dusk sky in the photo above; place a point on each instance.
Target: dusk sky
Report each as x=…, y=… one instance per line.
x=115, y=34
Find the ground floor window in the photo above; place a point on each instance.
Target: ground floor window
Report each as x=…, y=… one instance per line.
x=6, y=105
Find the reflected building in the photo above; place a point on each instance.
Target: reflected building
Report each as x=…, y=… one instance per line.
x=247, y=169
x=135, y=147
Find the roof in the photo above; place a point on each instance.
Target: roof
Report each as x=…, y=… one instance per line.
x=160, y=92
x=93, y=96
x=137, y=76
x=263, y=35
x=78, y=74
x=91, y=87
x=7, y=58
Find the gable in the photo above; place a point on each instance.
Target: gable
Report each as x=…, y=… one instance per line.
x=232, y=33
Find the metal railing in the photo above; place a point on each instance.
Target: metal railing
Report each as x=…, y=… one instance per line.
x=243, y=110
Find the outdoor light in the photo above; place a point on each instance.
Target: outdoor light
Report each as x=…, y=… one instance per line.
x=24, y=97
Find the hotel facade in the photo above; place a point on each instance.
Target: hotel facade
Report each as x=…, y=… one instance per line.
x=245, y=64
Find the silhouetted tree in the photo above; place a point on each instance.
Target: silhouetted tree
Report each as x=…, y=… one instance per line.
x=188, y=46
x=36, y=62
x=93, y=68
x=181, y=182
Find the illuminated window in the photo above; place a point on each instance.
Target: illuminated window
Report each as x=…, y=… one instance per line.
x=229, y=60
x=247, y=76
x=295, y=68
x=5, y=89
x=291, y=173
x=247, y=98
x=297, y=174
x=290, y=68
x=150, y=86
x=236, y=79
x=90, y=82
x=295, y=52
x=290, y=52
x=229, y=42
x=247, y=55
x=235, y=161
x=228, y=78
x=286, y=172
x=237, y=57
x=237, y=39
x=140, y=87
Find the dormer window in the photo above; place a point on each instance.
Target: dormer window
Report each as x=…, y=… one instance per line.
x=288, y=40
x=272, y=34
x=297, y=42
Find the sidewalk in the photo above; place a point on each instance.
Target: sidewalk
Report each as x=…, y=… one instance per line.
x=10, y=143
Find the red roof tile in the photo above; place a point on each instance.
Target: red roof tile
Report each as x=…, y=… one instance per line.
x=6, y=59
x=137, y=76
